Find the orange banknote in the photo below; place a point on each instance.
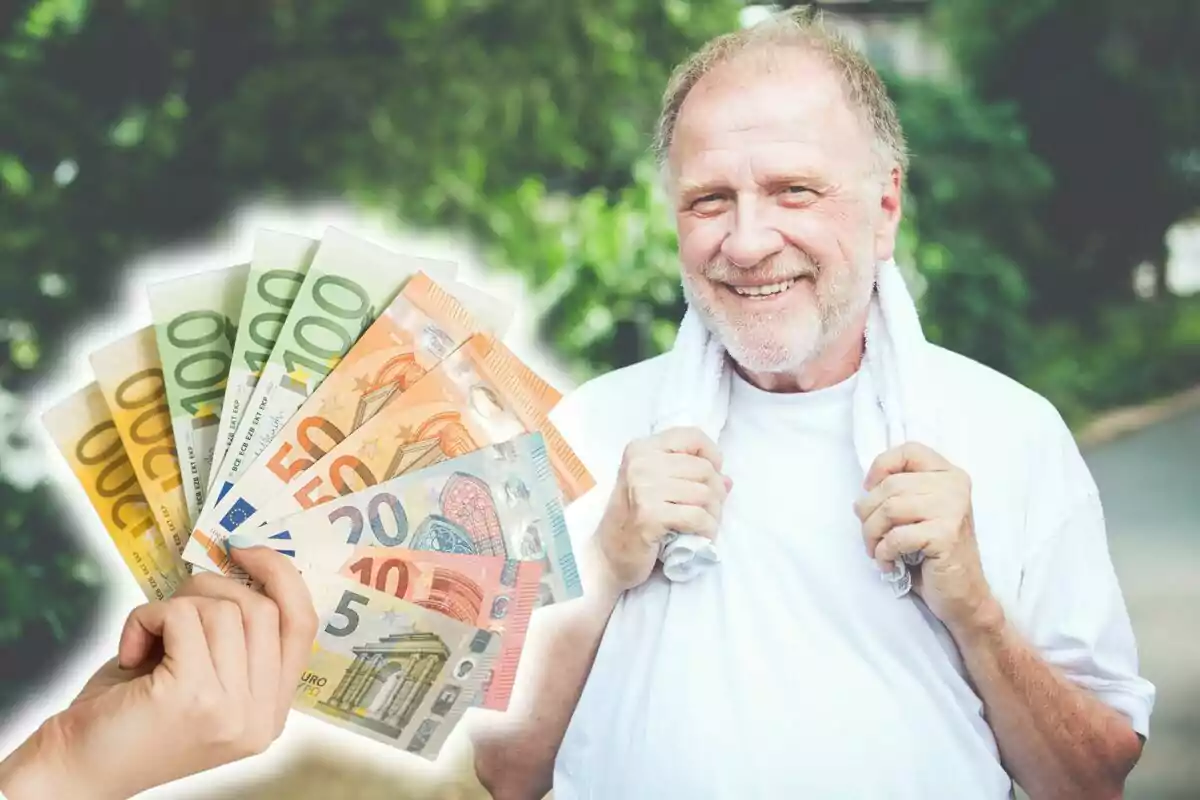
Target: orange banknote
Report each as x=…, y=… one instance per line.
x=421, y=327
x=480, y=395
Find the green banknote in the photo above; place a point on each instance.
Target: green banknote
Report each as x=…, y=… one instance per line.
x=195, y=321
x=277, y=269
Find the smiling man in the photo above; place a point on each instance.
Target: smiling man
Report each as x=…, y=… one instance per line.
x=789, y=669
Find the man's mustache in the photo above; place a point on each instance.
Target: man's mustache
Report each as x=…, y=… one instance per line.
x=776, y=269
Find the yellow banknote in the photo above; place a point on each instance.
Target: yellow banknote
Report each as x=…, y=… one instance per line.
x=83, y=430
x=130, y=377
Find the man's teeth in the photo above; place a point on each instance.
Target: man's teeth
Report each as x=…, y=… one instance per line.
x=760, y=291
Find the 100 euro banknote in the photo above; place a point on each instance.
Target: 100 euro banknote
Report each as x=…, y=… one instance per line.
x=422, y=326
x=130, y=377
x=347, y=285
x=277, y=269
x=82, y=428
x=389, y=669
x=501, y=500
x=195, y=321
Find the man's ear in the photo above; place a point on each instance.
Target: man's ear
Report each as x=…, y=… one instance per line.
x=890, y=208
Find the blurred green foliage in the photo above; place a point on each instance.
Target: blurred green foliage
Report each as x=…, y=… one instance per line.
x=1108, y=92
x=131, y=124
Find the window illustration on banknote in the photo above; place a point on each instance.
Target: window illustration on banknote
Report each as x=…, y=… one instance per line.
x=388, y=680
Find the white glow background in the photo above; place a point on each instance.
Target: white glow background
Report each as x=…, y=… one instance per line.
x=230, y=245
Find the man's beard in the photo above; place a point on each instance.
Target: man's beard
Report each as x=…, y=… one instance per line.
x=781, y=341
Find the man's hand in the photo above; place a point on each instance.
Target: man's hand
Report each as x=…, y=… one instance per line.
x=919, y=501
x=200, y=680
x=670, y=481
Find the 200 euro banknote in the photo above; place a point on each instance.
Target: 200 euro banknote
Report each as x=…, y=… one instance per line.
x=83, y=430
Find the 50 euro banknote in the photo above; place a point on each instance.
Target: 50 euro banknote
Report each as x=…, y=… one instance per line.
x=389, y=669
x=83, y=430
x=348, y=284
x=479, y=395
x=422, y=326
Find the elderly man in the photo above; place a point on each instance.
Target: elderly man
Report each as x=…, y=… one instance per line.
x=789, y=668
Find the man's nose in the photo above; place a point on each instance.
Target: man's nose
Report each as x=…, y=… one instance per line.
x=752, y=239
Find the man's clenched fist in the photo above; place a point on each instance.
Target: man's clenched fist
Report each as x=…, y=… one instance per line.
x=670, y=481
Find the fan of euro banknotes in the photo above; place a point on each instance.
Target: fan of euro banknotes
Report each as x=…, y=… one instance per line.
x=355, y=409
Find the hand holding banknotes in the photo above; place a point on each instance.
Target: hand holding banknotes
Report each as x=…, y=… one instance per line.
x=917, y=501
x=670, y=481
x=202, y=679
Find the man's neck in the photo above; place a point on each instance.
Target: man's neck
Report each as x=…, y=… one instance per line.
x=835, y=362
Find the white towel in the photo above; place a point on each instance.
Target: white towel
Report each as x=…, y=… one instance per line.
x=888, y=404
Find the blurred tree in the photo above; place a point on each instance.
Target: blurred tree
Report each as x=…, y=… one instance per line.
x=973, y=198
x=1108, y=92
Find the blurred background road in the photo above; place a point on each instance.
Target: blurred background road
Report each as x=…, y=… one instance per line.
x=1150, y=485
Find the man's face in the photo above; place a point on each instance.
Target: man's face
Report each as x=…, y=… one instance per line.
x=780, y=210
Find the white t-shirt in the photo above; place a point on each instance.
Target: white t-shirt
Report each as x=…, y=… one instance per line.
x=790, y=670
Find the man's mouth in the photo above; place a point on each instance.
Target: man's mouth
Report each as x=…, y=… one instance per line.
x=767, y=290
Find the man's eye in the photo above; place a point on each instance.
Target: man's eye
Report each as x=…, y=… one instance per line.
x=707, y=201
x=798, y=190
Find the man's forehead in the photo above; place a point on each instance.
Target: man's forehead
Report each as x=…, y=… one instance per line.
x=785, y=95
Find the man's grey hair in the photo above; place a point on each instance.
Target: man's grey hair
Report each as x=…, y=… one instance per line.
x=799, y=28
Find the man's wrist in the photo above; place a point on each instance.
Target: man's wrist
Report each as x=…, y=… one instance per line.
x=983, y=627
x=600, y=585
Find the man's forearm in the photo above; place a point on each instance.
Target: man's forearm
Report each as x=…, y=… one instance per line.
x=1056, y=739
x=515, y=751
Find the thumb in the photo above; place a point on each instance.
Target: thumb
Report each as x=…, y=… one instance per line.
x=137, y=642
